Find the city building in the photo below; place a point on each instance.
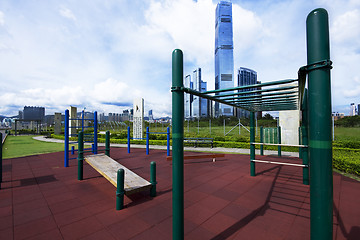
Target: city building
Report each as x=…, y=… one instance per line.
x=224, y=57
x=338, y=115
x=32, y=114
x=352, y=109
x=151, y=116
x=358, y=109
x=194, y=106
x=246, y=77
x=187, y=98
x=199, y=105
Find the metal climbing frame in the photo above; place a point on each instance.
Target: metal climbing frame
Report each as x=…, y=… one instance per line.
x=289, y=94
x=91, y=137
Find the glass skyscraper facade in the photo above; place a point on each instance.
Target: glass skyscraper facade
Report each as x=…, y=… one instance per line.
x=194, y=106
x=187, y=98
x=224, y=57
x=246, y=77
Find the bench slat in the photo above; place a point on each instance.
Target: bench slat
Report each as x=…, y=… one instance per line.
x=108, y=167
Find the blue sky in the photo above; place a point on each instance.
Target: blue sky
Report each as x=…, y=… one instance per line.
x=102, y=54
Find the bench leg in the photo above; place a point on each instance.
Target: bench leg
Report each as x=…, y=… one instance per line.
x=153, y=179
x=120, y=190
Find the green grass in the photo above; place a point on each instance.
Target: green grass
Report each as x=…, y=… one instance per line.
x=20, y=146
x=343, y=134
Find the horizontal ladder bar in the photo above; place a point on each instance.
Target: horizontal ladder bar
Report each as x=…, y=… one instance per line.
x=281, y=163
x=281, y=145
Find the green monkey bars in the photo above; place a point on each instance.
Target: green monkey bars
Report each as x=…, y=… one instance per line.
x=290, y=94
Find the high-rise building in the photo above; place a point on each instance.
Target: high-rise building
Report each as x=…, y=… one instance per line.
x=199, y=105
x=246, y=77
x=352, y=109
x=151, y=116
x=358, y=109
x=33, y=113
x=187, y=98
x=224, y=58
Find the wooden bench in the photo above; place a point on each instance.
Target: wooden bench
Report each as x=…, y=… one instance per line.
x=200, y=156
x=198, y=141
x=108, y=168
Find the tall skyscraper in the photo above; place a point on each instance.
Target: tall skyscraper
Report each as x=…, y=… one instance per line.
x=224, y=58
x=245, y=77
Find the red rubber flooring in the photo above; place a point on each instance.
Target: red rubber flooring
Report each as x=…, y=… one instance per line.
x=40, y=199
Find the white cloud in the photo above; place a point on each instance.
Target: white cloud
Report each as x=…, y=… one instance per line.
x=346, y=28
x=2, y=18
x=67, y=13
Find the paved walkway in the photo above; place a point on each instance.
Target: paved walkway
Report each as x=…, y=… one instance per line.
x=40, y=199
x=197, y=149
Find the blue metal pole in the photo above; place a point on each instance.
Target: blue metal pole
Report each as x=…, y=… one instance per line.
x=128, y=139
x=147, y=140
x=168, y=141
x=95, y=133
x=72, y=150
x=66, y=145
x=80, y=155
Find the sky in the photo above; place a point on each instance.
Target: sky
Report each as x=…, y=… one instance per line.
x=103, y=54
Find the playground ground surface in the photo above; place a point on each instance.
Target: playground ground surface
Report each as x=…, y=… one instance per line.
x=40, y=199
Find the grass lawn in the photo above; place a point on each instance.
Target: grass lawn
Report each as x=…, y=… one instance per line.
x=20, y=146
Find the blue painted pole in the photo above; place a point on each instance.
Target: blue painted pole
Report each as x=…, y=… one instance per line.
x=168, y=141
x=128, y=139
x=72, y=150
x=66, y=133
x=80, y=155
x=95, y=133
x=147, y=141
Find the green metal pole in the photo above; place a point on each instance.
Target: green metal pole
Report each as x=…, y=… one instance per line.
x=107, y=143
x=120, y=189
x=279, y=140
x=320, y=145
x=80, y=155
x=262, y=141
x=304, y=135
x=252, y=146
x=178, y=144
x=153, y=179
